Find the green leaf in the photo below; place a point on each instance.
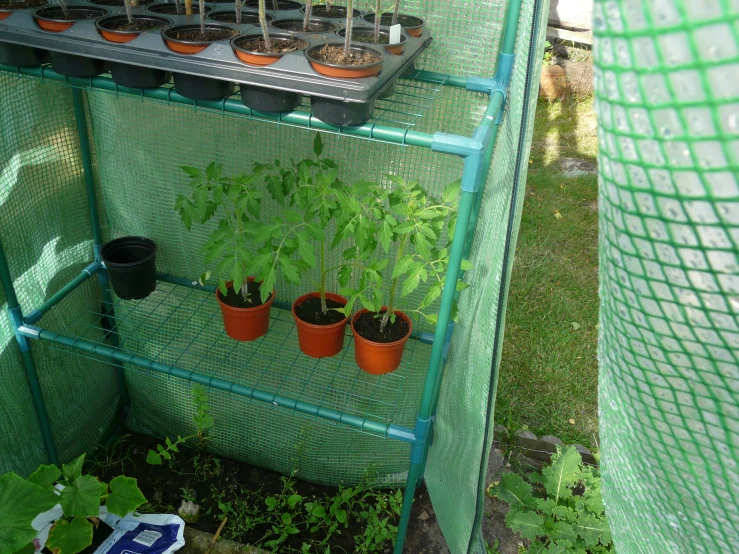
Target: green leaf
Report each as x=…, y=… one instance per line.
x=386, y=235
x=287, y=519
x=341, y=516
x=593, y=530
x=451, y=191
x=403, y=265
x=28, y=549
x=124, y=496
x=293, y=500
x=271, y=502
x=513, y=490
x=529, y=524
x=275, y=188
x=73, y=469
x=192, y=172
x=318, y=145
x=82, y=498
x=466, y=265
x=432, y=294
x=45, y=476
x=290, y=270
x=561, y=530
x=414, y=278
x=563, y=473
x=306, y=250
x=345, y=275
x=70, y=537
x=20, y=503
x=152, y=458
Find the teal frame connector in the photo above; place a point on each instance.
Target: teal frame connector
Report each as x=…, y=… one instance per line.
x=476, y=151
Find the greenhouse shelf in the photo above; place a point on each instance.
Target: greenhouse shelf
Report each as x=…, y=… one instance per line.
x=393, y=122
x=179, y=333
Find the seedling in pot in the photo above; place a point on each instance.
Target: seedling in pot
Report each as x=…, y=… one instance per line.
x=308, y=10
x=413, y=221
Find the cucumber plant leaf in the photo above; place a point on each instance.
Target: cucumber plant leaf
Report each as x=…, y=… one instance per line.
x=70, y=537
x=82, y=497
x=124, y=496
x=45, y=476
x=20, y=502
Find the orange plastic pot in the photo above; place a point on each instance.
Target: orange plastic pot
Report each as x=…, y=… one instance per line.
x=396, y=49
x=184, y=48
x=320, y=341
x=5, y=15
x=347, y=72
x=118, y=37
x=415, y=31
x=379, y=358
x=54, y=26
x=245, y=324
x=254, y=59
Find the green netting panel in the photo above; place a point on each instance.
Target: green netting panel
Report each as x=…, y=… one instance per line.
x=467, y=399
x=668, y=111
x=45, y=230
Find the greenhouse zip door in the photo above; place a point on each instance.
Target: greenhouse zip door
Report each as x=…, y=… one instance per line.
x=83, y=154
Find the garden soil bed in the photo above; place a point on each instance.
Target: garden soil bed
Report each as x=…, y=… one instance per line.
x=215, y=481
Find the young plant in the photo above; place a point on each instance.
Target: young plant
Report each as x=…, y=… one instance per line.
x=378, y=13
x=414, y=222
x=263, y=23
x=129, y=13
x=308, y=10
x=237, y=199
x=396, y=9
x=348, y=25
x=559, y=509
x=22, y=500
x=203, y=421
x=63, y=6
x=201, y=5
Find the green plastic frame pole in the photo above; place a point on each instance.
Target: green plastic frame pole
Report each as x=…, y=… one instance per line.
x=16, y=318
x=97, y=234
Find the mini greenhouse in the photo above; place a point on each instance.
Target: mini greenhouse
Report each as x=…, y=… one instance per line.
x=85, y=159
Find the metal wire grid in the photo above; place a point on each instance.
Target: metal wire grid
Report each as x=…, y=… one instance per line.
x=403, y=110
x=182, y=327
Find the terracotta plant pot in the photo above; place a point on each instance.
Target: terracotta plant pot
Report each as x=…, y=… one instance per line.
x=342, y=71
x=320, y=341
x=182, y=46
x=359, y=35
x=52, y=18
x=245, y=324
x=379, y=358
x=113, y=35
x=253, y=57
x=410, y=23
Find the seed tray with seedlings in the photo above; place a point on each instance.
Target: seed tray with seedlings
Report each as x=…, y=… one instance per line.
x=144, y=45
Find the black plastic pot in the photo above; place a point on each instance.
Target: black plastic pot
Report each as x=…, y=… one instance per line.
x=228, y=16
x=71, y=65
x=171, y=9
x=337, y=112
x=21, y=56
x=131, y=264
x=281, y=4
x=389, y=90
x=269, y=100
x=337, y=12
x=201, y=88
x=132, y=76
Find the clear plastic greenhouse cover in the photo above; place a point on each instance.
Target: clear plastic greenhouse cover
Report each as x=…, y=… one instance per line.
x=667, y=87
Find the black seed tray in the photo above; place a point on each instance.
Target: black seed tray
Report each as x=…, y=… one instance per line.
x=291, y=73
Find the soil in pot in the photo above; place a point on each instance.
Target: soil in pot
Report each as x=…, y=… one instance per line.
x=334, y=54
x=210, y=35
x=277, y=46
x=237, y=300
x=247, y=18
x=366, y=35
x=138, y=25
x=281, y=5
x=296, y=26
x=171, y=9
x=337, y=12
x=368, y=326
x=310, y=311
x=117, y=3
x=413, y=25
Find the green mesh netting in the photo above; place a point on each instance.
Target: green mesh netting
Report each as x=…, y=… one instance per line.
x=138, y=147
x=667, y=85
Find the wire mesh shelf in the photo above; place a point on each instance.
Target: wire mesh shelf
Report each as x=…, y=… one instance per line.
x=182, y=327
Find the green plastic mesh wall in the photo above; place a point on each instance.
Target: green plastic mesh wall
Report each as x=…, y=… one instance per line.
x=138, y=147
x=668, y=109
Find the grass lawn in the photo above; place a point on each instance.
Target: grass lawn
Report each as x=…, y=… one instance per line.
x=549, y=369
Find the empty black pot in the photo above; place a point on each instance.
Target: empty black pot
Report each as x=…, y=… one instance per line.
x=269, y=100
x=201, y=88
x=21, y=56
x=72, y=65
x=338, y=112
x=132, y=76
x=131, y=264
